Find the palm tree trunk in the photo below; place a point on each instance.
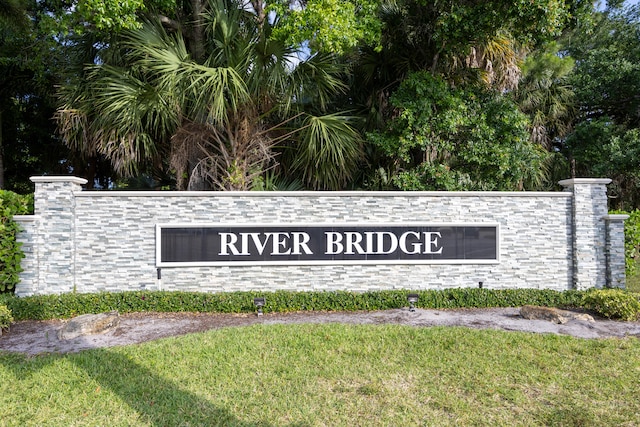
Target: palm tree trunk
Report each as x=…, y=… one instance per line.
x=197, y=32
x=259, y=10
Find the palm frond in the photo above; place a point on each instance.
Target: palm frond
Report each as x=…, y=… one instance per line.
x=329, y=151
x=214, y=90
x=318, y=80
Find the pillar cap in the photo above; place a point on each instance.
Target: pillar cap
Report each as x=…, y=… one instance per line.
x=584, y=181
x=615, y=217
x=71, y=179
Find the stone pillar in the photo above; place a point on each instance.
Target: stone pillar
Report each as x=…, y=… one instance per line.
x=52, y=258
x=589, y=231
x=616, y=276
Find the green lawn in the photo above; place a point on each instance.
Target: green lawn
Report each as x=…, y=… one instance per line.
x=331, y=375
x=633, y=280
x=633, y=283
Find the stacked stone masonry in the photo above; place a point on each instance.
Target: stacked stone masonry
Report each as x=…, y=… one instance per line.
x=89, y=241
x=614, y=251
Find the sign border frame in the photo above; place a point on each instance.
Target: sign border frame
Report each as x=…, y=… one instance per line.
x=160, y=264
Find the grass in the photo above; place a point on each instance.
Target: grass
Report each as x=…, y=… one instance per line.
x=633, y=282
x=330, y=375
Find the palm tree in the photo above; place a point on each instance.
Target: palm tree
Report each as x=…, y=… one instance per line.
x=494, y=62
x=545, y=94
x=218, y=115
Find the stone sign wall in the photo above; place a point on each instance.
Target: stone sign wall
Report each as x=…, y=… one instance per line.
x=92, y=241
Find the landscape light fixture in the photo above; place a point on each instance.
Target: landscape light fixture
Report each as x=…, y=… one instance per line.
x=259, y=303
x=413, y=299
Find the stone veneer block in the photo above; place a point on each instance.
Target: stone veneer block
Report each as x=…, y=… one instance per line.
x=615, y=256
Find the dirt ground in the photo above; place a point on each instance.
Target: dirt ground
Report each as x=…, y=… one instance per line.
x=38, y=337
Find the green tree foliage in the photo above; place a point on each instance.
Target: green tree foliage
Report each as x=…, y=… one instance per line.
x=606, y=82
x=468, y=44
x=607, y=73
x=443, y=35
x=335, y=26
x=216, y=111
x=110, y=15
x=329, y=151
x=138, y=100
x=30, y=63
x=465, y=41
x=546, y=96
x=324, y=25
x=26, y=86
x=453, y=139
x=13, y=13
x=602, y=148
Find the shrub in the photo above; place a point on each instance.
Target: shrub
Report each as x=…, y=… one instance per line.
x=5, y=318
x=44, y=307
x=10, y=252
x=613, y=303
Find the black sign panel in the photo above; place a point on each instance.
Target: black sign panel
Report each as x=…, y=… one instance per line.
x=230, y=245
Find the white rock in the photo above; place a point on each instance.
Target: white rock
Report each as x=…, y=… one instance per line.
x=89, y=324
x=552, y=314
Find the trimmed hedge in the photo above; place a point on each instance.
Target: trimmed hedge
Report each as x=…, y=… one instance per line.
x=613, y=303
x=43, y=307
x=6, y=319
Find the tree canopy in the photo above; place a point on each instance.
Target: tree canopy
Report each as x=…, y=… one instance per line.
x=29, y=61
x=453, y=139
x=321, y=94
x=216, y=111
x=606, y=83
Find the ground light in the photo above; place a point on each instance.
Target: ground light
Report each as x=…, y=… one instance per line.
x=413, y=299
x=259, y=303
